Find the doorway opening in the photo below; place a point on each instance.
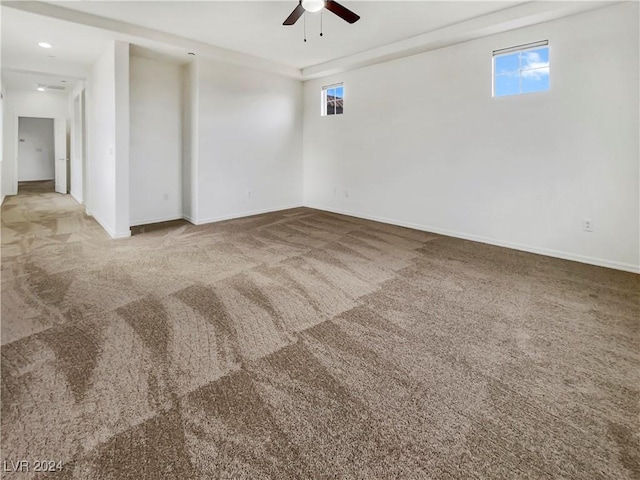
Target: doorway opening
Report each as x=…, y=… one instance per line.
x=41, y=153
x=36, y=154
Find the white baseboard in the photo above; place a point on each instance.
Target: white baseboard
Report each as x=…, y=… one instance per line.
x=112, y=234
x=600, y=262
x=202, y=221
x=76, y=198
x=156, y=220
x=126, y=234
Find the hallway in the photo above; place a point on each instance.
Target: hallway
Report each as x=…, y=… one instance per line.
x=43, y=234
x=36, y=187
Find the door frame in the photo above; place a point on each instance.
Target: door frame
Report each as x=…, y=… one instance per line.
x=16, y=145
x=78, y=138
x=61, y=144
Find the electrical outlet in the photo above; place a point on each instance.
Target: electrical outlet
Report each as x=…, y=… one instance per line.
x=587, y=225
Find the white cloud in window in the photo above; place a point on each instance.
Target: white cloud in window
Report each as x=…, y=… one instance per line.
x=533, y=66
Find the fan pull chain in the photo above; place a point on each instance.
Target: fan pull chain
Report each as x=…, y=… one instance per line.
x=320, y=22
x=305, y=27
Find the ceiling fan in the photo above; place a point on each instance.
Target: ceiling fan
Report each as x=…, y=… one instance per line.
x=313, y=6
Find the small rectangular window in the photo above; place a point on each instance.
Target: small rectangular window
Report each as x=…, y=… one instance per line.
x=333, y=99
x=521, y=69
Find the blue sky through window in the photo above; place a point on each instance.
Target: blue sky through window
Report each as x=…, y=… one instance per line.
x=332, y=98
x=337, y=92
x=521, y=72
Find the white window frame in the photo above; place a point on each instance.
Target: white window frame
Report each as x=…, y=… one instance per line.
x=517, y=49
x=323, y=99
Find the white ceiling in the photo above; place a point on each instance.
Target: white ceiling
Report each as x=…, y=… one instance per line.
x=75, y=46
x=250, y=33
x=30, y=81
x=256, y=28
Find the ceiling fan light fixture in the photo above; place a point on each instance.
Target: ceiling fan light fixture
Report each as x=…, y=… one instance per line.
x=313, y=6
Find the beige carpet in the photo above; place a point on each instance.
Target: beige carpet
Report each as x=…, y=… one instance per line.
x=303, y=344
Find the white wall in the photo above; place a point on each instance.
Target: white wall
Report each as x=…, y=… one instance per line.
x=123, y=131
x=24, y=103
x=156, y=141
x=422, y=143
x=2, y=104
x=36, y=152
x=249, y=145
x=107, y=96
x=190, y=92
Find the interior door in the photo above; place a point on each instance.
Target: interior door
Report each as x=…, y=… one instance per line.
x=62, y=162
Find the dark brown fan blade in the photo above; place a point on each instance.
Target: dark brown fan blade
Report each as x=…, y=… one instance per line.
x=295, y=15
x=343, y=12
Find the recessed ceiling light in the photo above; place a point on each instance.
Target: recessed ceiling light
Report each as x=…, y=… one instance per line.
x=44, y=45
x=41, y=89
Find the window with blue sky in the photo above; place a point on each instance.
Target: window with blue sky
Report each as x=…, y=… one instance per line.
x=333, y=99
x=523, y=69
